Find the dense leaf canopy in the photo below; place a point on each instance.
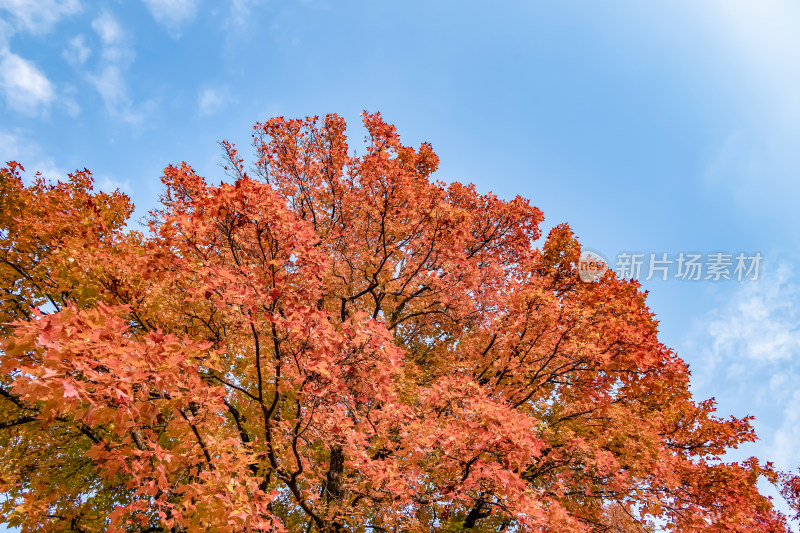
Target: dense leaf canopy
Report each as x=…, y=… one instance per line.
x=333, y=343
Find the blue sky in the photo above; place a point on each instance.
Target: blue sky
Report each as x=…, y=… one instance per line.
x=651, y=127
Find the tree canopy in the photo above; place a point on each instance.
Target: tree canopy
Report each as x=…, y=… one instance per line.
x=337, y=343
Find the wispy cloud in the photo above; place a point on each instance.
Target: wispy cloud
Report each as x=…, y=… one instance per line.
x=111, y=85
x=210, y=101
x=172, y=14
x=752, y=338
x=748, y=355
x=26, y=89
x=113, y=38
x=6, y=31
x=38, y=16
x=107, y=28
x=77, y=52
x=240, y=12
x=14, y=146
x=109, y=79
x=761, y=323
x=108, y=184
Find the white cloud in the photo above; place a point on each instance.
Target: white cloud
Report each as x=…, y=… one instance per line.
x=112, y=88
x=172, y=14
x=115, y=46
x=209, y=101
x=761, y=323
x=6, y=31
x=77, y=52
x=27, y=90
x=107, y=184
x=753, y=339
x=72, y=107
x=67, y=100
x=15, y=147
x=107, y=28
x=747, y=355
x=109, y=78
x=240, y=12
x=39, y=16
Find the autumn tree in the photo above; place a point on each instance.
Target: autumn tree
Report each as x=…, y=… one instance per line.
x=331, y=343
x=789, y=486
